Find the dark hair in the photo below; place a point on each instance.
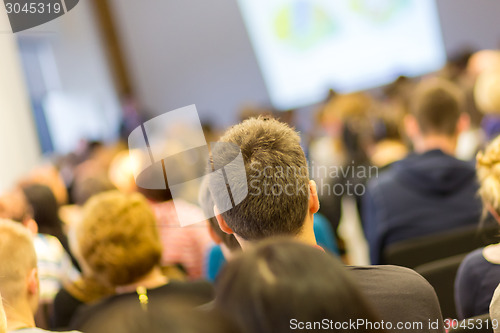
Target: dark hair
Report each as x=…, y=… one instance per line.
x=86, y=187
x=45, y=209
x=207, y=205
x=437, y=105
x=280, y=280
x=277, y=179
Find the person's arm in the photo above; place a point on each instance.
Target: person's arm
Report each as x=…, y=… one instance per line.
x=465, y=289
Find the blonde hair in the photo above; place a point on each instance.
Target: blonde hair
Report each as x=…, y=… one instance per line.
x=118, y=238
x=17, y=259
x=487, y=91
x=488, y=172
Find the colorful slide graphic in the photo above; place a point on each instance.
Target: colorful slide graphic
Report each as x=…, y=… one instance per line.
x=306, y=47
x=302, y=24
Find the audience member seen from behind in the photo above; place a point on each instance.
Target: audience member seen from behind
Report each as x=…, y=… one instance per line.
x=118, y=241
x=54, y=264
x=182, y=246
x=479, y=273
x=282, y=285
x=430, y=191
x=225, y=244
x=269, y=149
x=19, y=285
x=46, y=214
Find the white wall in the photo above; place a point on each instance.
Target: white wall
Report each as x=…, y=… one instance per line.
x=84, y=80
x=182, y=52
x=186, y=52
x=18, y=144
x=468, y=23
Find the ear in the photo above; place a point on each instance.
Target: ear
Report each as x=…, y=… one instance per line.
x=463, y=123
x=222, y=224
x=411, y=126
x=313, y=197
x=214, y=235
x=31, y=225
x=33, y=283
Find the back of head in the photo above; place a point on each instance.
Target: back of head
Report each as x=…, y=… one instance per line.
x=118, y=238
x=276, y=177
x=488, y=172
x=487, y=91
x=14, y=205
x=45, y=208
x=267, y=287
x=86, y=187
x=437, y=105
x=17, y=258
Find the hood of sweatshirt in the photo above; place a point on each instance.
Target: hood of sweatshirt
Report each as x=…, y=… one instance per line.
x=434, y=173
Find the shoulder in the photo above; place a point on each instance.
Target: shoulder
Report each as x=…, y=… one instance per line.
x=474, y=259
x=391, y=279
x=385, y=178
x=383, y=272
x=200, y=288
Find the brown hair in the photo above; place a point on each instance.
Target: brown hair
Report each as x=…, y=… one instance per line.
x=118, y=237
x=277, y=179
x=437, y=105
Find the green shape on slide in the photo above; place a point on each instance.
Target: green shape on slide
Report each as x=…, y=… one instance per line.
x=382, y=14
x=320, y=26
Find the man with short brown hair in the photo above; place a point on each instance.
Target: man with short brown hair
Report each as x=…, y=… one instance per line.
x=429, y=191
x=281, y=201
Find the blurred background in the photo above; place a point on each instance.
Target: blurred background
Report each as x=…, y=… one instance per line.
x=84, y=70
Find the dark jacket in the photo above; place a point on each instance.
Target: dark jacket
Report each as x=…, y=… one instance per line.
x=423, y=194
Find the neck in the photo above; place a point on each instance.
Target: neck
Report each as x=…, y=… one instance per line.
x=18, y=316
x=153, y=279
x=447, y=144
x=306, y=235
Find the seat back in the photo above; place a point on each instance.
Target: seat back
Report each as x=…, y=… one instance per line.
x=418, y=251
x=441, y=275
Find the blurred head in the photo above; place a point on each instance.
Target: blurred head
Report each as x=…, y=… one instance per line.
x=18, y=272
x=117, y=238
x=45, y=209
x=281, y=200
x=15, y=206
x=436, y=106
x=207, y=205
x=488, y=172
x=482, y=61
x=277, y=281
x=487, y=91
x=352, y=108
x=49, y=176
x=87, y=186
